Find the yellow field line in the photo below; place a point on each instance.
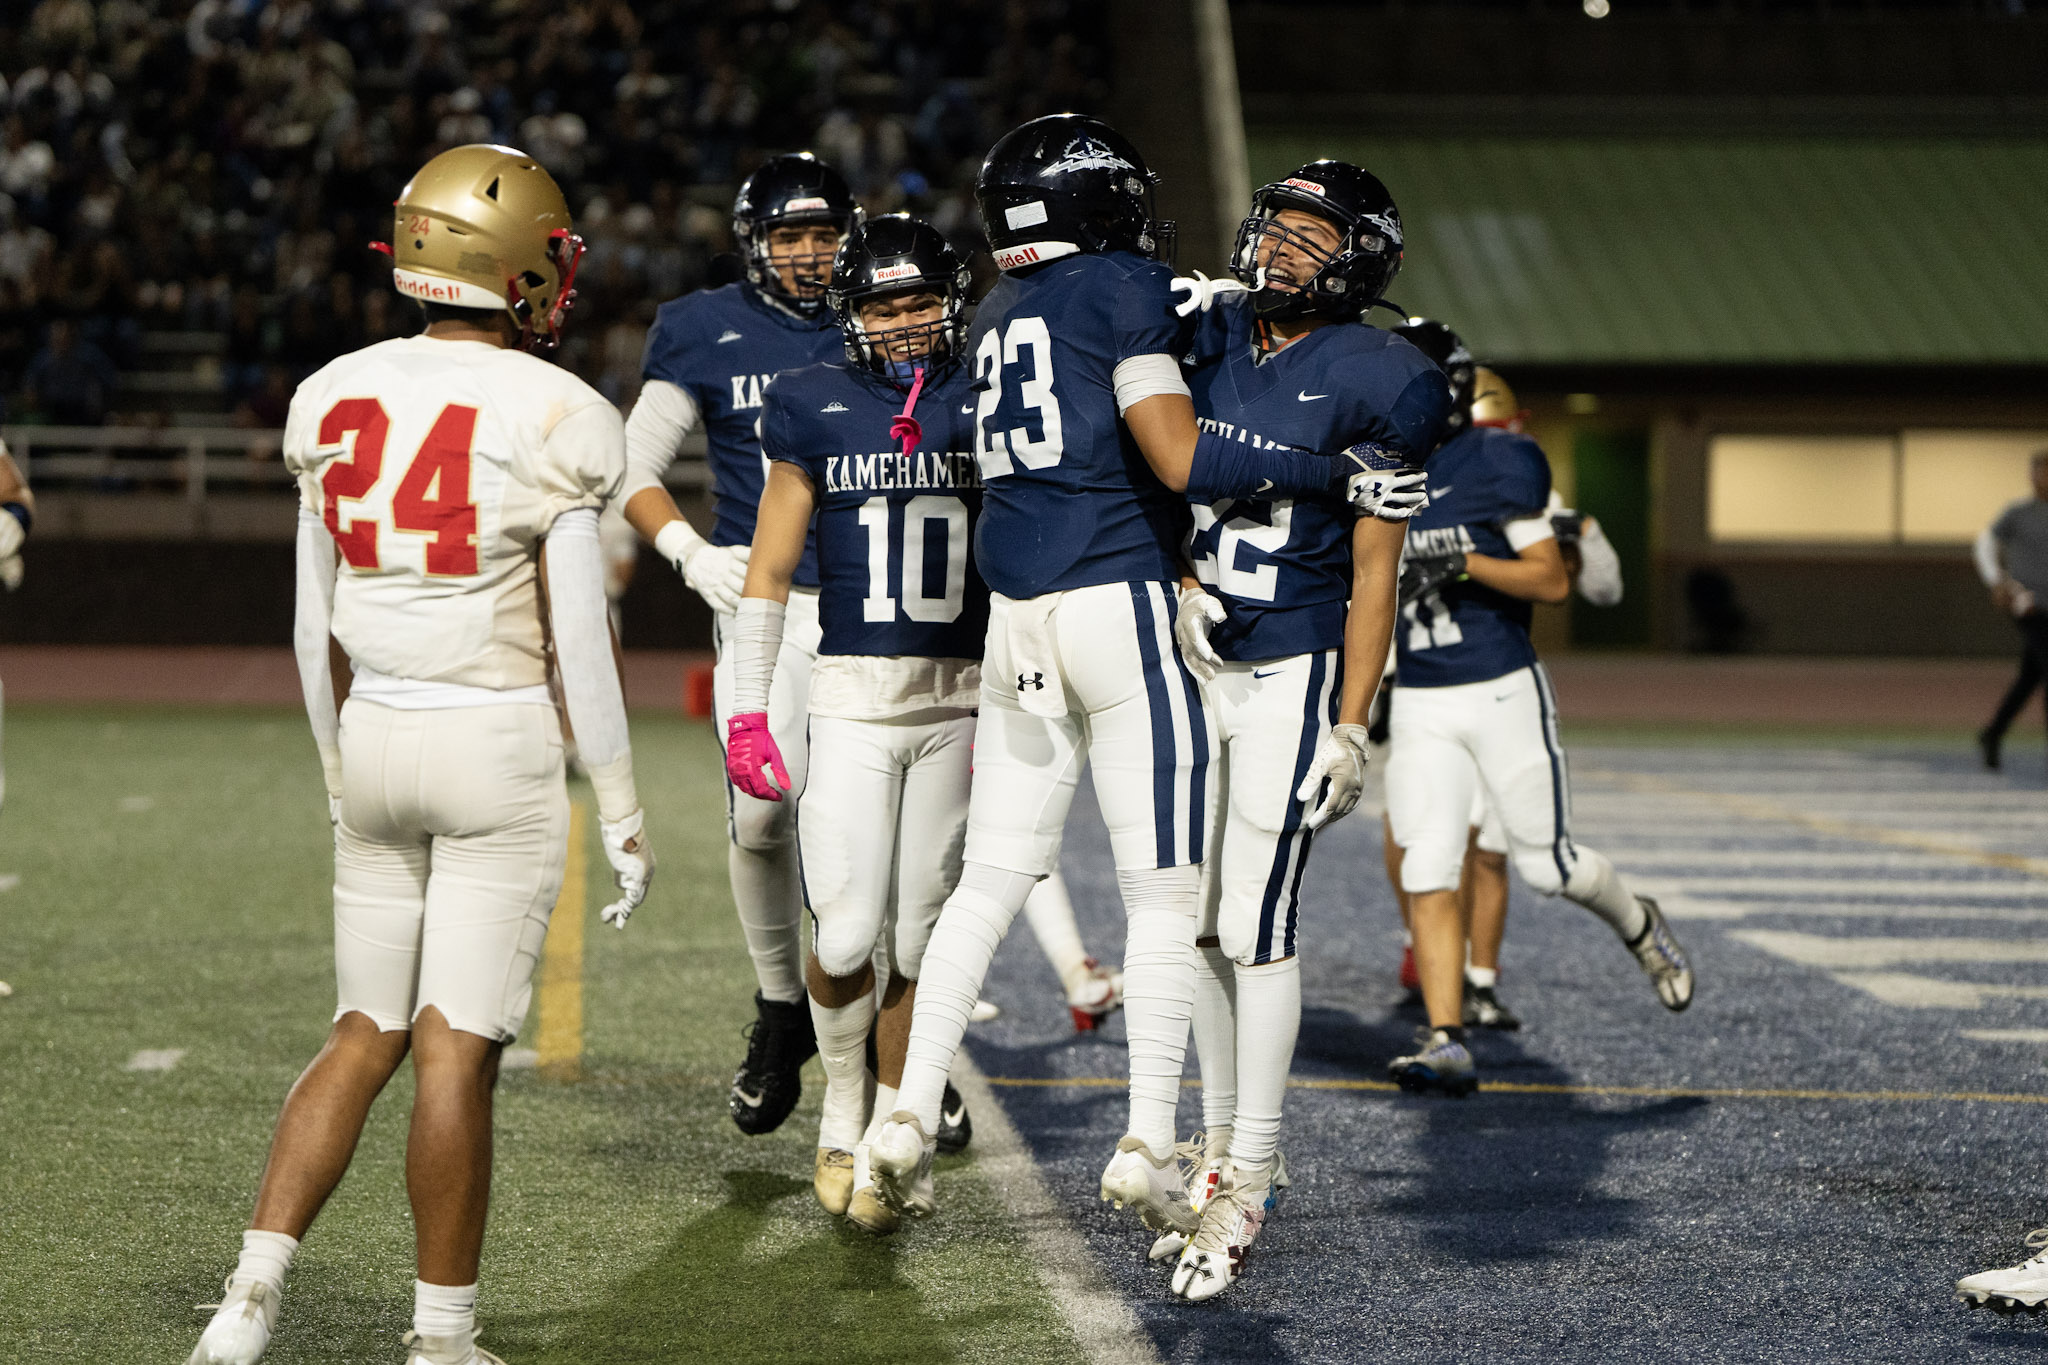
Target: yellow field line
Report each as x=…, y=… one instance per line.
x=559, y=1039
x=1658, y=1092
x=1762, y=808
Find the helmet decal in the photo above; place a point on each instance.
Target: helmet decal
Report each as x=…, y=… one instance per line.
x=1089, y=153
x=1311, y=186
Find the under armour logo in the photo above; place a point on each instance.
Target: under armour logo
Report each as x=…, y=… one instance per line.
x=1036, y=680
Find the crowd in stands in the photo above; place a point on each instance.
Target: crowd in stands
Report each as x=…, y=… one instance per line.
x=221, y=165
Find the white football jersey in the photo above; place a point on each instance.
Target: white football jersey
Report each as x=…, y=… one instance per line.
x=438, y=467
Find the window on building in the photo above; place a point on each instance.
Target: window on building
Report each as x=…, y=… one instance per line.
x=1916, y=487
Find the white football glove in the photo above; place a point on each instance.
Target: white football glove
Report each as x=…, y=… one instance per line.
x=625, y=847
x=10, y=571
x=1199, y=614
x=1340, y=758
x=1201, y=292
x=717, y=573
x=1389, y=494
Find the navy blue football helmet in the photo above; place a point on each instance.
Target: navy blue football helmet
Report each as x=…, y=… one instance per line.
x=1448, y=350
x=1341, y=284
x=1065, y=184
x=790, y=191
x=896, y=254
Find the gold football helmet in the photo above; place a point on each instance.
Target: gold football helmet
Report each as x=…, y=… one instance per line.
x=1493, y=402
x=487, y=227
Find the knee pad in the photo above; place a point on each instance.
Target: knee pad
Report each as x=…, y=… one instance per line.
x=1431, y=865
x=761, y=826
x=843, y=939
x=1538, y=867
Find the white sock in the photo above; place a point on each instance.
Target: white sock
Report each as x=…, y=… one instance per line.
x=1051, y=912
x=886, y=1103
x=444, y=1310
x=843, y=1049
x=771, y=907
x=1160, y=907
x=266, y=1256
x=1268, y=1019
x=971, y=925
x=1597, y=886
x=1485, y=978
x=1215, y=1033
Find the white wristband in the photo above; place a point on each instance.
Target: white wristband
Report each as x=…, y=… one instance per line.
x=676, y=542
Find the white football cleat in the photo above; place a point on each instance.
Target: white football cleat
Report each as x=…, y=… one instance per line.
x=2015, y=1288
x=1201, y=1158
x=456, y=1350
x=1230, y=1224
x=240, y=1330
x=1094, y=992
x=1153, y=1187
x=901, y=1160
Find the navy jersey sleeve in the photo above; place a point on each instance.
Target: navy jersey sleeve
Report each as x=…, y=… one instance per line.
x=781, y=434
x=1144, y=320
x=1401, y=401
x=1521, y=481
x=667, y=342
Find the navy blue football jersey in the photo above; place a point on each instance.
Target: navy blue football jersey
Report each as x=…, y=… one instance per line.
x=1481, y=480
x=723, y=346
x=1283, y=567
x=893, y=531
x=1071, y=501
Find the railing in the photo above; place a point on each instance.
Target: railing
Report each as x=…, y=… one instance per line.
x=112, y=462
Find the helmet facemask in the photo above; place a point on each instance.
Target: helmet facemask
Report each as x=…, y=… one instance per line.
x=1338, y=282
x=810, y=270
x=892, y=350
x=540, y=311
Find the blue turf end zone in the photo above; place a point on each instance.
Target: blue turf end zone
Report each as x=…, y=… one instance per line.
x=1863, y=923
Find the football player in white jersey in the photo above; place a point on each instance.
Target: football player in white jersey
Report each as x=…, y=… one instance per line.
x=459, y=479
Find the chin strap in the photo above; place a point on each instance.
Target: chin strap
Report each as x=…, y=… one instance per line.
x=906, y=427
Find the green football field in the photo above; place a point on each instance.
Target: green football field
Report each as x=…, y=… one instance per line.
x=173, y=870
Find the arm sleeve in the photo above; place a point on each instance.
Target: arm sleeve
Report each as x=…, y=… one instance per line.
x=583, y=651
x=312, y=622
x=1526, y=531
x=663, y=415
x=1600, y=567
x=1985, y=552
x=756, y=642
x=1144, y=376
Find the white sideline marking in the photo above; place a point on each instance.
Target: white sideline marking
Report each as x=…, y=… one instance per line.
x=1105, y=1327
x=1874, y=954
x=1932, y=993
x=155, y=1059
x=2007, y=1035
x=135, y=805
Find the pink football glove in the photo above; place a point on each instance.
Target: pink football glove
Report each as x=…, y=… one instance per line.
x=751, y=753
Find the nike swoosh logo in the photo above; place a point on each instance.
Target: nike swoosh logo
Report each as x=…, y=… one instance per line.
x=1443, y=492
x=967, y=409
x=752, y=1101
x=951, y=1117
x=1265, y=485
x=1505, y=696
x=1303, y=395
x=1269, y=673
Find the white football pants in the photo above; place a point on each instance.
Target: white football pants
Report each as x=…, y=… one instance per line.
x=881, y=826
x=447, y=861
x=1495, y=741
x=762, y=860
x=1269, y=718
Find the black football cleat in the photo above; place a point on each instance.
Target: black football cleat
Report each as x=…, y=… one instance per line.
x=956, y=1127
x=768, y=1084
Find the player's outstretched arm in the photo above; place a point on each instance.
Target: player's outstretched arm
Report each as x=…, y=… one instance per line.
x=753, y=761
x=1536, y=574
x=1368, y=632
x=662, y=417
x=572, y=563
